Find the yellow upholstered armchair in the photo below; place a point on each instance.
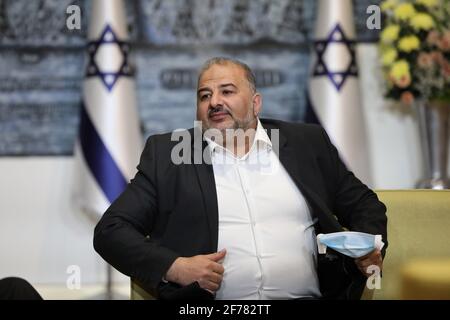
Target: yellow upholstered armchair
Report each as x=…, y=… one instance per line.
x=417, y=263
x=139, y=293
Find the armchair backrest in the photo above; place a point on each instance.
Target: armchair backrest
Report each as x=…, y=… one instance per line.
x=418, y=227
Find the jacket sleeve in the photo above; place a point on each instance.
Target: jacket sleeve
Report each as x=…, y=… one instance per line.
x=356, y=206
x=122, y=236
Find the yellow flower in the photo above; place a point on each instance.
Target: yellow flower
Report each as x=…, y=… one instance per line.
x=404, y=11
x=422, y=21
x=388, y=56
x=388, y=5
x=408, y=43
x=399, y=69
x=390, y=33
x=399, y=74
x=427, y=3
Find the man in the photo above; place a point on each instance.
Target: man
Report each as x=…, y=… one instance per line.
x=243, y=228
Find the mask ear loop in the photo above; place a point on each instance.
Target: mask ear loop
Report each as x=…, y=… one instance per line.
x=320, y=246
x=379, y=244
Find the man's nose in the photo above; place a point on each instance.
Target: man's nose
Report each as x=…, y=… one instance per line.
x=215, y=101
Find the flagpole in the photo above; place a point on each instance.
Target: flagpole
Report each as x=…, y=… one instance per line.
x=109, y=291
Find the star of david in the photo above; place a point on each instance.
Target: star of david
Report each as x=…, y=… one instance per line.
x=338, y=78
x=109, y=78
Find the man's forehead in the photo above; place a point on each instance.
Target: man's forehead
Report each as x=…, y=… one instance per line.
x=222, y=74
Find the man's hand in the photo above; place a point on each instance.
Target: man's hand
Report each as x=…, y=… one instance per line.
x=373, y=258
x=205, y=269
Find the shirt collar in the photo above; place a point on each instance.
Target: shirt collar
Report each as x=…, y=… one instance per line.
x=261, y=136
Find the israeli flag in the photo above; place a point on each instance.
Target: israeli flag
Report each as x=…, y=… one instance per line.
x=333, y=89
x=109, y=142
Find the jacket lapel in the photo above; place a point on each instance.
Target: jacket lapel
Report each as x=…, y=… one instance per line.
x=327, y=221
x=205, y=175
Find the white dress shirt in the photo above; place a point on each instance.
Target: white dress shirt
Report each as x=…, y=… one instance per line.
x=264, y=224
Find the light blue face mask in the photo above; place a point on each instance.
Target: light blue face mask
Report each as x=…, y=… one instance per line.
x=350, y=243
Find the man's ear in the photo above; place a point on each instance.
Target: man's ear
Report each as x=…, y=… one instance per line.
x=257, y=103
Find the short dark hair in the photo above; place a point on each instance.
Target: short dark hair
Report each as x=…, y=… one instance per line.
x=222, y=61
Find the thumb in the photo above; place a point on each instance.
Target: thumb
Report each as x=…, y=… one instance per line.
x=216, y=256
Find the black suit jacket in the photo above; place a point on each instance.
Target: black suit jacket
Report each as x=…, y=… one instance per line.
x=170, y=210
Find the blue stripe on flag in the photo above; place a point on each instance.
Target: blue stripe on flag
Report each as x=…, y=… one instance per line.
x=99, y=160
x=310, y=114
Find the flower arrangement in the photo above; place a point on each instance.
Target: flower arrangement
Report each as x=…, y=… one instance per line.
x=415, y=49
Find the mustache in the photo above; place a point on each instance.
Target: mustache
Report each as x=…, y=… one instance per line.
x=218, y=109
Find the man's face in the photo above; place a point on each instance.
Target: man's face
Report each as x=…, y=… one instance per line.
x=225, y=100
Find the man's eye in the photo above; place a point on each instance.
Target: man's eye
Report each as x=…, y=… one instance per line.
x=227, y=92
x=204, y=97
